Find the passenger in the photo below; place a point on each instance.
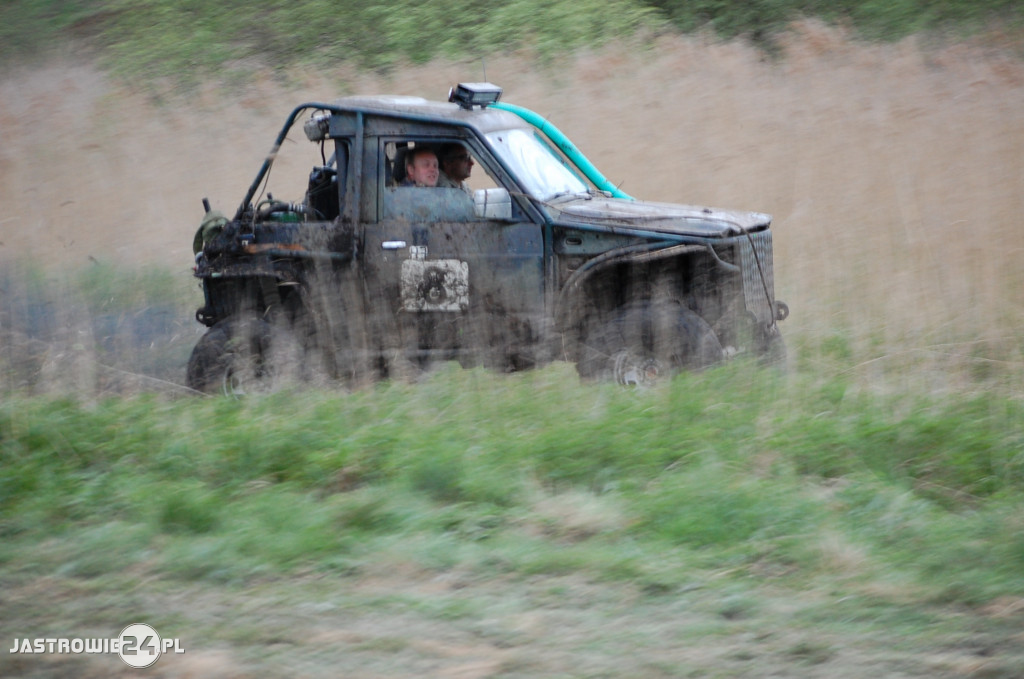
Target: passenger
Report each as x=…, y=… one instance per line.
x=420, y=168
x=456, y=164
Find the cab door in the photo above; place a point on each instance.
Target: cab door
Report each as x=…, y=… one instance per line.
x=449, y=284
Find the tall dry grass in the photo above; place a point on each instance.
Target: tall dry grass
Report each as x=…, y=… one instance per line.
x=895, y=172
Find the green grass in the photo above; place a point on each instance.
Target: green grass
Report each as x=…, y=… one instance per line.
x=735, y=469
x=187, y=42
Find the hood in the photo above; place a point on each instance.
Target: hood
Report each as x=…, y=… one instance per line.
x=670, y=218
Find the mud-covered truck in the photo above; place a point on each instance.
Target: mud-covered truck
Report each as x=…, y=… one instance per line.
x=340, y=267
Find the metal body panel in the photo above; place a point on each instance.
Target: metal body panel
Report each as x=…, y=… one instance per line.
x=662, y=218
x=506, y=272
x=415, y=109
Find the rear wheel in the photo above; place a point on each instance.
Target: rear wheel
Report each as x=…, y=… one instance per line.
x=645, y=342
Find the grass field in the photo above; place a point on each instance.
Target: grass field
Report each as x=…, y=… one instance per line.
x=732, y=523
x=857, y=516
x=738, y=522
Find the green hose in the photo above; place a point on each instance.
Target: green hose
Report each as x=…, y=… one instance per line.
x=567, y=147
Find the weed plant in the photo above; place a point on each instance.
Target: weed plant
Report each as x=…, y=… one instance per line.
x=101, y=329
x=183, y=42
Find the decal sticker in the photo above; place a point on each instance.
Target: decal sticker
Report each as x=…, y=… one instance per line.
x=435, y=285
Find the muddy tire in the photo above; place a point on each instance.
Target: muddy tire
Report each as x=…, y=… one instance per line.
x=231, y=358
x=646, y=342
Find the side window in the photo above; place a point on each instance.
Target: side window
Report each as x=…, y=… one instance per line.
x=430, y=180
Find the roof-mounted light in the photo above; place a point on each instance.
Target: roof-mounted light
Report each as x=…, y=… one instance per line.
x=468, y=95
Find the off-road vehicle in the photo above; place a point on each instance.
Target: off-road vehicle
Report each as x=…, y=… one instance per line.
x=345, y=271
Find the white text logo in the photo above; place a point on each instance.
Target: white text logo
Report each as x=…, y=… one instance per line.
x=138, y=645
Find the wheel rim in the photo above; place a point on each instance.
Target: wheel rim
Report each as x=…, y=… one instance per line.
x=643, y=344
x=250, y=379
x=631, y=370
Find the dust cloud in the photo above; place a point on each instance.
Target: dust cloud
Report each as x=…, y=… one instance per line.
x=895, y=173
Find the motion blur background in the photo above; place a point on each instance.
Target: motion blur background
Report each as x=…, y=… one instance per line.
x=858, y=515
x=894, y=171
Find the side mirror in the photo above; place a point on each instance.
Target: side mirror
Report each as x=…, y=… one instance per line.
x=493, y=204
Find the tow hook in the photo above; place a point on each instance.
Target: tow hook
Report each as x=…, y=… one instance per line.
x=203, y=316
x=781, y=310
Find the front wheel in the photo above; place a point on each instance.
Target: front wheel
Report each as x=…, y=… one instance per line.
x=231, y=358
x=247, y=355
x=646, y=342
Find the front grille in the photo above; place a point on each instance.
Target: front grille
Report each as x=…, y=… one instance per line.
x=753, y=287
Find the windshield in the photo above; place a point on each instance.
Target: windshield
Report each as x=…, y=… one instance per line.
x=541, y=171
